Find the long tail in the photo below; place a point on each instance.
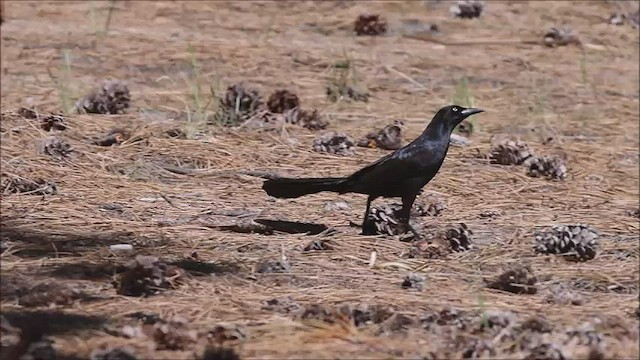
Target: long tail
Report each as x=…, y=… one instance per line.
x=293, y=188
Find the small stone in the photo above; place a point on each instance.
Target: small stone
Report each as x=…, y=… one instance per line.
x=121, y=247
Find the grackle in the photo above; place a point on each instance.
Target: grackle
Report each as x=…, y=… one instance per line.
x=401, y=173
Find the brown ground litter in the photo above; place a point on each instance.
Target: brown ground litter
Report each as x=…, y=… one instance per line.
x=177, y=188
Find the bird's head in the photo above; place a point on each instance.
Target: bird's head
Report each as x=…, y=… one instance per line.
x=453, y=115
x=447, y=118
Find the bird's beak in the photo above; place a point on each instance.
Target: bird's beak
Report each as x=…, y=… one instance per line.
x=471, y=111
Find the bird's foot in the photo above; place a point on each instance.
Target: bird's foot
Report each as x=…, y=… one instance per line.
x=369, y=227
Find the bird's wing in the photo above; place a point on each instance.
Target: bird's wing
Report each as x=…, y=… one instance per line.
x=401, y=164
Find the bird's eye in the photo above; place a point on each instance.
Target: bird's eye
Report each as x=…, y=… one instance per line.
x=455, y=109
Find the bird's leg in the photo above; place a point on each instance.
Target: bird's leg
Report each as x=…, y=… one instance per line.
x=405, y=213
x=365, y=222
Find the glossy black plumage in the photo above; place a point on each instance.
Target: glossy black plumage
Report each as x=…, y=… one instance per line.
x=402, y=173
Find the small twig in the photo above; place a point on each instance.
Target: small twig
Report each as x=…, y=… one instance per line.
x=407, y=77
x=429, y=38
x=168, y=200
x=109, y=14
x=372, y=259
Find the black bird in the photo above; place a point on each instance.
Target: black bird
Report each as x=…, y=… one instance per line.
x=401, y=174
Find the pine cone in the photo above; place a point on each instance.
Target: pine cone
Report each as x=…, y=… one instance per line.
x=414, y=281
x=116, y=136
x=55, y=122
x=282, y=100
x=54, y=146
x=241, y=100
x=383, y=220
x=550, y=167
x=146, y=276
x=370, y=25
x=237, y=105
x=334, y=143
x=388, y=138
x=510, y=153
x=578, y=241
x=111, y=98
x=318, y=245
x=311, y=120
x=518, y=280
x=459, y=238
x=27, y=113
x=468, y=9
x=560, y=37
x=434, y=207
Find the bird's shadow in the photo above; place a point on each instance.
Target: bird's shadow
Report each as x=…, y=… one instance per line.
x=272, y=226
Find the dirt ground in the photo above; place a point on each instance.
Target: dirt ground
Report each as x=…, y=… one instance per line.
x=251, y=295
